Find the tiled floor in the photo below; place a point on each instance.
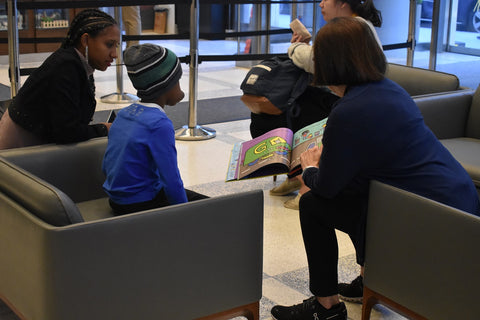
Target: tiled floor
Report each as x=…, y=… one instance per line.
x=203, y=166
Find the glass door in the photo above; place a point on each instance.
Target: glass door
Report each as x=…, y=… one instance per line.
x=464, y=27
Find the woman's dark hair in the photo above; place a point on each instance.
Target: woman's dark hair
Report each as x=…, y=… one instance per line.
x=91, y=21
x=366, y=9
x=346, y=53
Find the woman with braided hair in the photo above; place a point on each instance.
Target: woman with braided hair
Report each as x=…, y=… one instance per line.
x=57, y=101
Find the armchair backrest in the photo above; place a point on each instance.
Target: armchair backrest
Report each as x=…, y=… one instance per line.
x=76, y=168
x=473, y=123
x=446, y=114
x=418, y=81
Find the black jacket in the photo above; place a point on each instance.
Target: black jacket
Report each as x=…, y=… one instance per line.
x=57, y=102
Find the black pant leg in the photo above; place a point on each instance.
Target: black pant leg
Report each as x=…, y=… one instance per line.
x=262, y=123
x=159, y=201
x=314, y=105
x=319, y=217
x=193, y=196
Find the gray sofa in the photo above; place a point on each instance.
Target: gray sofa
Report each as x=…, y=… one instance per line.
x=421, y=258
x=454, y=117
x=419, y=81
x=64, y=256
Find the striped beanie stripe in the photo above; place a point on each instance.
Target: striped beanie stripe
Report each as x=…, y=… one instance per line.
x=153, y=70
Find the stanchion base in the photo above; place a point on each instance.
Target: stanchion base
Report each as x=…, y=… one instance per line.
x=195, y=133
x=119, y=98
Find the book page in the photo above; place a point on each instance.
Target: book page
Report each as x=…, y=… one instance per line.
x=232, y=171
x=306, y=138
x=265, y=155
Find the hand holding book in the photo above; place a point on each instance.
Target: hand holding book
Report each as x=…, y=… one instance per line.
x=300, y=32
x=311, y=157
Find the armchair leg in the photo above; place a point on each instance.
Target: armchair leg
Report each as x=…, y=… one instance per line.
x=371, y=298
x=250, y=311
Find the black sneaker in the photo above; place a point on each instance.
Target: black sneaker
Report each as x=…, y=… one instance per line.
x=310, y=309
x=353, y=291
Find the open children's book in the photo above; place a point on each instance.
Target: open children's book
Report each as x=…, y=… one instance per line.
x=275, y=152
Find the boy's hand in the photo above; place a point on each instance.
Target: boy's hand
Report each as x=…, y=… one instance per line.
x=107, y=124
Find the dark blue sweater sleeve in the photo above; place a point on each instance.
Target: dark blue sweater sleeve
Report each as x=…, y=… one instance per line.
x=343, y=156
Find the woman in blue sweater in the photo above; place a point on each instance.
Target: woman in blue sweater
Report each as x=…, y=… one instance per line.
x=374, y=132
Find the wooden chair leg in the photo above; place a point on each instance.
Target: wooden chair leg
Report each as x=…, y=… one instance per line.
x=250, y=311
x=371, y=298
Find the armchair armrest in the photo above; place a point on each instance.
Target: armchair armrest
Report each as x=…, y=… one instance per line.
x=446, y=114
x=418, y=81
x=54, y=162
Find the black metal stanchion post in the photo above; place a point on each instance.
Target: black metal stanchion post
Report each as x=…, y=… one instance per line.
x=119, y=96
x=13, y=58
x=193, y=131
x=412, y=31
x=432, y=64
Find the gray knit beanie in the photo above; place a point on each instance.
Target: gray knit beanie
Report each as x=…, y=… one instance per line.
x=153, y=70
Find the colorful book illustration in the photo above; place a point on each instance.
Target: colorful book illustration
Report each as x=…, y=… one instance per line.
x=275, y=152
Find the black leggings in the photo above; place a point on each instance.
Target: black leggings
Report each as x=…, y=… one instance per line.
x=159, y=201
x=319, y=217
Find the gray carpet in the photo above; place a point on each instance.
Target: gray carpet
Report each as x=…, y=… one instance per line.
x=4, y=92
x=208, y=111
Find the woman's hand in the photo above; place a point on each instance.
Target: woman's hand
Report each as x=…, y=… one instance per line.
x=298, y=38
x=311, y=157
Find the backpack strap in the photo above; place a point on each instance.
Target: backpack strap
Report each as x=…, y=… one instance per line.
x=301, y=84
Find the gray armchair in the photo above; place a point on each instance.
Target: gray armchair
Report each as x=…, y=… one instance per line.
x=454, y=117
x=422, y=257
x=65, y=256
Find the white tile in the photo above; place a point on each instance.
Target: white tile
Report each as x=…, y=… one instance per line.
x=203, y=161
x=283, y=243
x=345, y=245
x=276, y=291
